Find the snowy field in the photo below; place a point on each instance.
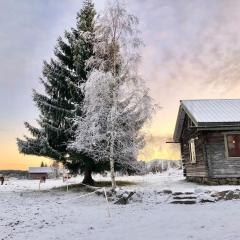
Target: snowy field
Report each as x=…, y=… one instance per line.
x=27, y=213
x=172, y=180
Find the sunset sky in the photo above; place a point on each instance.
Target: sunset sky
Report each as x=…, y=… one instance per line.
x=192, y=50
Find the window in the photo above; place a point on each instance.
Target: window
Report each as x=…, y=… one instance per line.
x=233, y=145
x=192, y=151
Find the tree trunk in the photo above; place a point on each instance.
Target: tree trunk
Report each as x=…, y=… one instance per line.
x=112, y=174
x=88, y=177
x=112, y=170
x=112, y=166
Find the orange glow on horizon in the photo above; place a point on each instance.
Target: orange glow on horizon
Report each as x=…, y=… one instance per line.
x=12, y=159
x=155, y=148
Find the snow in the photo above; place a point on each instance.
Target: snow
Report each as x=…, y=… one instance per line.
x=13, y=185
x=40, y=170
x=170, y=180
x=27, y=213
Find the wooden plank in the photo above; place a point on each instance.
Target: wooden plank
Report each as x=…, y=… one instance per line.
x=200, y=167
x=221, y=166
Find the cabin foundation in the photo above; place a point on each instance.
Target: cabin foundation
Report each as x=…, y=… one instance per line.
x=214, y=181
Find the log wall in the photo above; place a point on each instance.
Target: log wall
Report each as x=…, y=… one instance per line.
x=200, y=168
x=220, y=165
x=212, y=161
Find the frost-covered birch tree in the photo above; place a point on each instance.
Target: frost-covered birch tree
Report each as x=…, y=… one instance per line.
x=116, y=104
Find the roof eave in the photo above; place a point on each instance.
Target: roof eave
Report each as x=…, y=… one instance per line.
x=180, y=120
x=179, y=124
x=218, y=124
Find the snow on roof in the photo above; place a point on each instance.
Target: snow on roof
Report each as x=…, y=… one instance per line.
x=208, y=112
x=40, y=170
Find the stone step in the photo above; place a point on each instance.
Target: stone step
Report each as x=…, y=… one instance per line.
x=184, y=197
x=207, y=201
x=183, y=202
x=182, y=193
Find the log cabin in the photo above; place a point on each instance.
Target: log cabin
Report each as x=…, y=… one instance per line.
x=40, y=172
x=209, y=135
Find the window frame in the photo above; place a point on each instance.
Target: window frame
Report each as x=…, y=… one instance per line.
x=226, y=145
x=191, y=144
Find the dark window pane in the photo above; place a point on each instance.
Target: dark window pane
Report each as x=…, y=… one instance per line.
x=233, y=142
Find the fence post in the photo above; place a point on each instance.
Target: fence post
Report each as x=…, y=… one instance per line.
x=105, y=193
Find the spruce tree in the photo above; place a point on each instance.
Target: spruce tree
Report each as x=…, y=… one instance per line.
x=62, y=77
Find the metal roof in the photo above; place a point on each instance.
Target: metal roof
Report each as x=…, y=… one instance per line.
x=214, y=110
x=40, y=170
x=208, y=113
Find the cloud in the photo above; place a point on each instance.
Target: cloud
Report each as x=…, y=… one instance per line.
x=28, y=33
x=192, y=51
x=190, y=41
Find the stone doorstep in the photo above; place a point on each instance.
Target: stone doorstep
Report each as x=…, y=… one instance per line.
x=182, y=193
x=217, y=196
x=206, y=201
x=184, y=197
x=183, y=202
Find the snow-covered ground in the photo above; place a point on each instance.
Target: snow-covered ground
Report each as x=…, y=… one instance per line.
x=27, y=213
x=172, y=180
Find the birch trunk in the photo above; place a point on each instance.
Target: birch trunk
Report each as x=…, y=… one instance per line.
x=112, y=170
x=112, y=140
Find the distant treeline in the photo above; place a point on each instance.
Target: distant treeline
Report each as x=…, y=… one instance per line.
x=144, y=167
x=14, y=173
x=160, y=165
x=153, y=166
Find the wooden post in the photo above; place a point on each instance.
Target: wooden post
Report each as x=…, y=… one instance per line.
x=105, y=193
x=67, y=184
